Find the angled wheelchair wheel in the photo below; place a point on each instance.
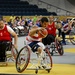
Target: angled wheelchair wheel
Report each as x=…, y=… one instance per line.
x=23, y=59
x=11, y=53
x=59, y=47
x=72, y=37
x=48, y=60
x=14, y=52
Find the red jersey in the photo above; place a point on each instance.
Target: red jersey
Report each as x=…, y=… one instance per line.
x=51, y=29
x=5, y=35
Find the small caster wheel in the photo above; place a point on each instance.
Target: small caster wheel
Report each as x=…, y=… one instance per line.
x=36, y=71
x=18, y=69
x=48, y=71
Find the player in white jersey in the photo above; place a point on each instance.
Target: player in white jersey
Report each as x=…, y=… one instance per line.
x=34, y=39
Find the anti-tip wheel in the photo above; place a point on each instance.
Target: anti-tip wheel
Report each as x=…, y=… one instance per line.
x=36, y=71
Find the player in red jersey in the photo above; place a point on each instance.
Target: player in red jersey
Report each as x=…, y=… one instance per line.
x=5, y=36
x=51, y=28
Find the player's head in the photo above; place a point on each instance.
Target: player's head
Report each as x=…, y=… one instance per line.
x=1, y=23
x=65, y=19
x=44, y=21
x=51, y=18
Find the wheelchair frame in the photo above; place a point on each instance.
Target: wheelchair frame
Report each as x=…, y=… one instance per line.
x=11, y=53
x=72, y=35
x=20, y=60
x=57, y=47
x=14, y=52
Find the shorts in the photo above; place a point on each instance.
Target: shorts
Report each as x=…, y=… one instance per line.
x=48, y=39
x=34, y=45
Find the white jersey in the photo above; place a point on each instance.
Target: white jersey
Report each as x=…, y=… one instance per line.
x=10, y=29
x=30, y=39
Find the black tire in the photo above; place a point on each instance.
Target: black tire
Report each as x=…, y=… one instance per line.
x=23, y=59
x=59, y=47
x=72, y=37
x=36, y=71
x=48, y=59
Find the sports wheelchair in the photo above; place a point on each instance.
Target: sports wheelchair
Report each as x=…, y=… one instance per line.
x=8, y=52
x=20, y=30
x=56, y=47
x=72, y=35
x=25, y=57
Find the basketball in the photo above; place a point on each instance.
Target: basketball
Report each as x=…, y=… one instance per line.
x=43, y=33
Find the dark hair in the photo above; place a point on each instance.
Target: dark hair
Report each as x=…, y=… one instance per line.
x=17, y=17
x=1, y=19
x=44, y=19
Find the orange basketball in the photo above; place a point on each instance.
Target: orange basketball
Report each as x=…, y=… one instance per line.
x=43, y=33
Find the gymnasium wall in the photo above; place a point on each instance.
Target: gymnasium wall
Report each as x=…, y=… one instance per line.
x=64, y=4
x=59, y=17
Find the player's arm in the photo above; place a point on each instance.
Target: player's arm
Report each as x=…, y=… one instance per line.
x=11, y=31
x=34, y=30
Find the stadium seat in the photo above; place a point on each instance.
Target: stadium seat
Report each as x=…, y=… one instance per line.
x=17, y=7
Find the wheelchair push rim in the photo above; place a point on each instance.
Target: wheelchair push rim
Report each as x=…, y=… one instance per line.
x=11, y=53
x=14, y=52
x=50, y=58
x=59, y=47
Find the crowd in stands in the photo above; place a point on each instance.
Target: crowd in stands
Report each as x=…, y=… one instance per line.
x=25, y=23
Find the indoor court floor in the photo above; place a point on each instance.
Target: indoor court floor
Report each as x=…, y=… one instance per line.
x=62, y=65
